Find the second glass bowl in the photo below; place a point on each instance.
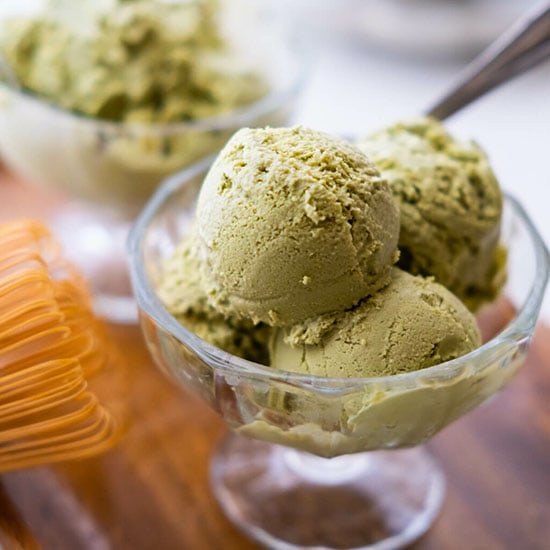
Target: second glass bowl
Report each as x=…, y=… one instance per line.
x=119, y=164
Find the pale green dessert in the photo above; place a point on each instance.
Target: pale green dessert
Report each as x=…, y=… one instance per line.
x=411, y=324
x=135, y=60
x=293, y=223
x=182, y=294
x=450, y=207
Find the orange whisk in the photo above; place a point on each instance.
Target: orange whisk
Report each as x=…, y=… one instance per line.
x=50, y=344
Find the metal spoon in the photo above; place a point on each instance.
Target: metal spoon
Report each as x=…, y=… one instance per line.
x=524, y=45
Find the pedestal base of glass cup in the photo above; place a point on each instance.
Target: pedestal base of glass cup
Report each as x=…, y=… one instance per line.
x=286, y=499
x=95, y=241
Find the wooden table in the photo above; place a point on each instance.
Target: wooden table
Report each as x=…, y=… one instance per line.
x=151, y=491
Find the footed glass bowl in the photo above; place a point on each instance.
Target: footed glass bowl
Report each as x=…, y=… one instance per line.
x=303, y=478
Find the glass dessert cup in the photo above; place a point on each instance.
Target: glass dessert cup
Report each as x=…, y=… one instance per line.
x=108, y=170
x=306, y=477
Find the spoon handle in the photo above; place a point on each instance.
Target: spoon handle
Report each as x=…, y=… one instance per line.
x=521, y=47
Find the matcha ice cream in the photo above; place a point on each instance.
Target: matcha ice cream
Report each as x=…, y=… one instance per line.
x=450, y=207
x=183, y=296
x=297, y=230
x=293, y=223
x=411, y=324
x=130, y=60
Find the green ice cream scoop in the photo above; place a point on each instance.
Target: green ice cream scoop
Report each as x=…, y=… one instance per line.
x=139, y=61
x=182, y=294
x=411, y=324
x=450, y=207
x=294, y=223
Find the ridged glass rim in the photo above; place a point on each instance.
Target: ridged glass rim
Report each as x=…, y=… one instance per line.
x=518, y=329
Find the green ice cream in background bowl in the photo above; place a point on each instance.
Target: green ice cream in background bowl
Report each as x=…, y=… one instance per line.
x=115, y=95
x=385, y=371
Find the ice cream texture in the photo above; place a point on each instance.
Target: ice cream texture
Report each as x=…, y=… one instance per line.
x=182, y=293
x=293, y=223
x=297, y=230
x=450, y=207
x=411, y=324
x=137, y=61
